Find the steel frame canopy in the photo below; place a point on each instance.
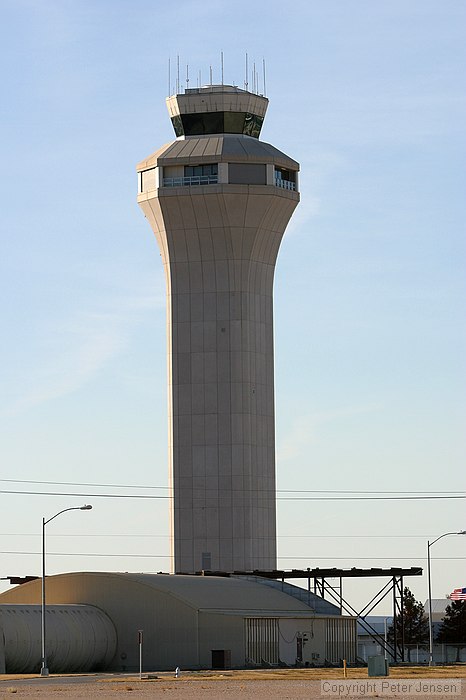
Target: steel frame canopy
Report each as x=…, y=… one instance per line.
x=322, y=586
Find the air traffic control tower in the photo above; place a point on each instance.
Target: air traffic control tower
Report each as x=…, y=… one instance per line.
x=219, y=200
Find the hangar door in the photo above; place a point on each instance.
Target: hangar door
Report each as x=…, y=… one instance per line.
x=262, y=638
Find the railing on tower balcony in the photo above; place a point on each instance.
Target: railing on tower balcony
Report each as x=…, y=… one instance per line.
x=285, y=184
x=188, y=181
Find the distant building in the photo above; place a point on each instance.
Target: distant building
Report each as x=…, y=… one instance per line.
x=367, y=644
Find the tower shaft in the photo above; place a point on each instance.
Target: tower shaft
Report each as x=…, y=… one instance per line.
x=219, y=237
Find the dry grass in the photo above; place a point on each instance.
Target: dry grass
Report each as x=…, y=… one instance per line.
x=303, y=674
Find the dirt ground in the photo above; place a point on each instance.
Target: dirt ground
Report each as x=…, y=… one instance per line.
x=257, y=685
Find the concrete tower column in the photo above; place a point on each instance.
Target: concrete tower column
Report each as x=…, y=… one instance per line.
x=218, y=201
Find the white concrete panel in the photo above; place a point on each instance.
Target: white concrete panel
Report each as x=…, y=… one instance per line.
x=211, y=465
x=208, y=276
x=219, y=242
x=197, y=367
x=224, y=369
x=223, y=306
x=224, y=429
x=210, y=396
x=192, y=244
x=196, y=336
x=198, y=397
x=210, y=360
x=236, y=393
x=178, y=249
x=198, y=429
x=183, y=363
x=224, y=459
x=211, y=426
x=195, y=277
x=210, y=336
x=221, y=276
x=179, y=273
x=199, y=460
x=223, y=391
x=201, y=211
x=184, y=399
x=183, y=307
x=197, y=307
x=210, y=302
x=205, y=244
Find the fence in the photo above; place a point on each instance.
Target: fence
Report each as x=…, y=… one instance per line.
x=443, y=653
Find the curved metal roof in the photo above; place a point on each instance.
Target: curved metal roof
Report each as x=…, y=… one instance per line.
x=214, y=593
x=224, y=147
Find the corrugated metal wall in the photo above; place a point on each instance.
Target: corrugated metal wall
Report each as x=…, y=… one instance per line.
x=262, y=635
x=79, y=638
x=340, y=639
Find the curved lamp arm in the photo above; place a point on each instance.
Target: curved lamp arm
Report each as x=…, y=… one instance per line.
x=85, y=507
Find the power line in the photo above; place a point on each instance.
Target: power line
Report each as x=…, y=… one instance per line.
x=158, y=556
x=145, y=534
x=450, y=492
x=78, y=483
x=279, y=498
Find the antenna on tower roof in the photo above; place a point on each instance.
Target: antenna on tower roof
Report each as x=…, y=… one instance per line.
x=221, y=60
x=210, y=76
x=178, y=74
x=187, y=76
x=246, y=77
x=169, y=77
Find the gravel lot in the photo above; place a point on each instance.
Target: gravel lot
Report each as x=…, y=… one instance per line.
x=204, y=688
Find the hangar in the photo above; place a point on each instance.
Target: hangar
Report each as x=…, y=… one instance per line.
x=187, y=621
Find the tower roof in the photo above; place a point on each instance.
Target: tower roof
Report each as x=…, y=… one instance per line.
x=230, y=148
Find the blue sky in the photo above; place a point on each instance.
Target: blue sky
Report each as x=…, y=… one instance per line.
x=369, y=296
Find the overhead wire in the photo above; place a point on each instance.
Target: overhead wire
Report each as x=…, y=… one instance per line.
x=142, y=496
x=450, y=493
x=159, y=556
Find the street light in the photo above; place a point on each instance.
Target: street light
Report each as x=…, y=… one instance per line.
x=431, y=629
x=44, y=671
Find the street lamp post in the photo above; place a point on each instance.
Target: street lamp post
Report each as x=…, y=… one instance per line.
x=44, y=671
x=431, y=628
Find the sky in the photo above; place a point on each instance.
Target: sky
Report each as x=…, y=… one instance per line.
x=370, y=373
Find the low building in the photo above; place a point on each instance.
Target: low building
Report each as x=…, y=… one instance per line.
x=371, y=634
x=187, y=621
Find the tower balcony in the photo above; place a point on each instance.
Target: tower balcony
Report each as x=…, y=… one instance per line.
x=190, y=181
